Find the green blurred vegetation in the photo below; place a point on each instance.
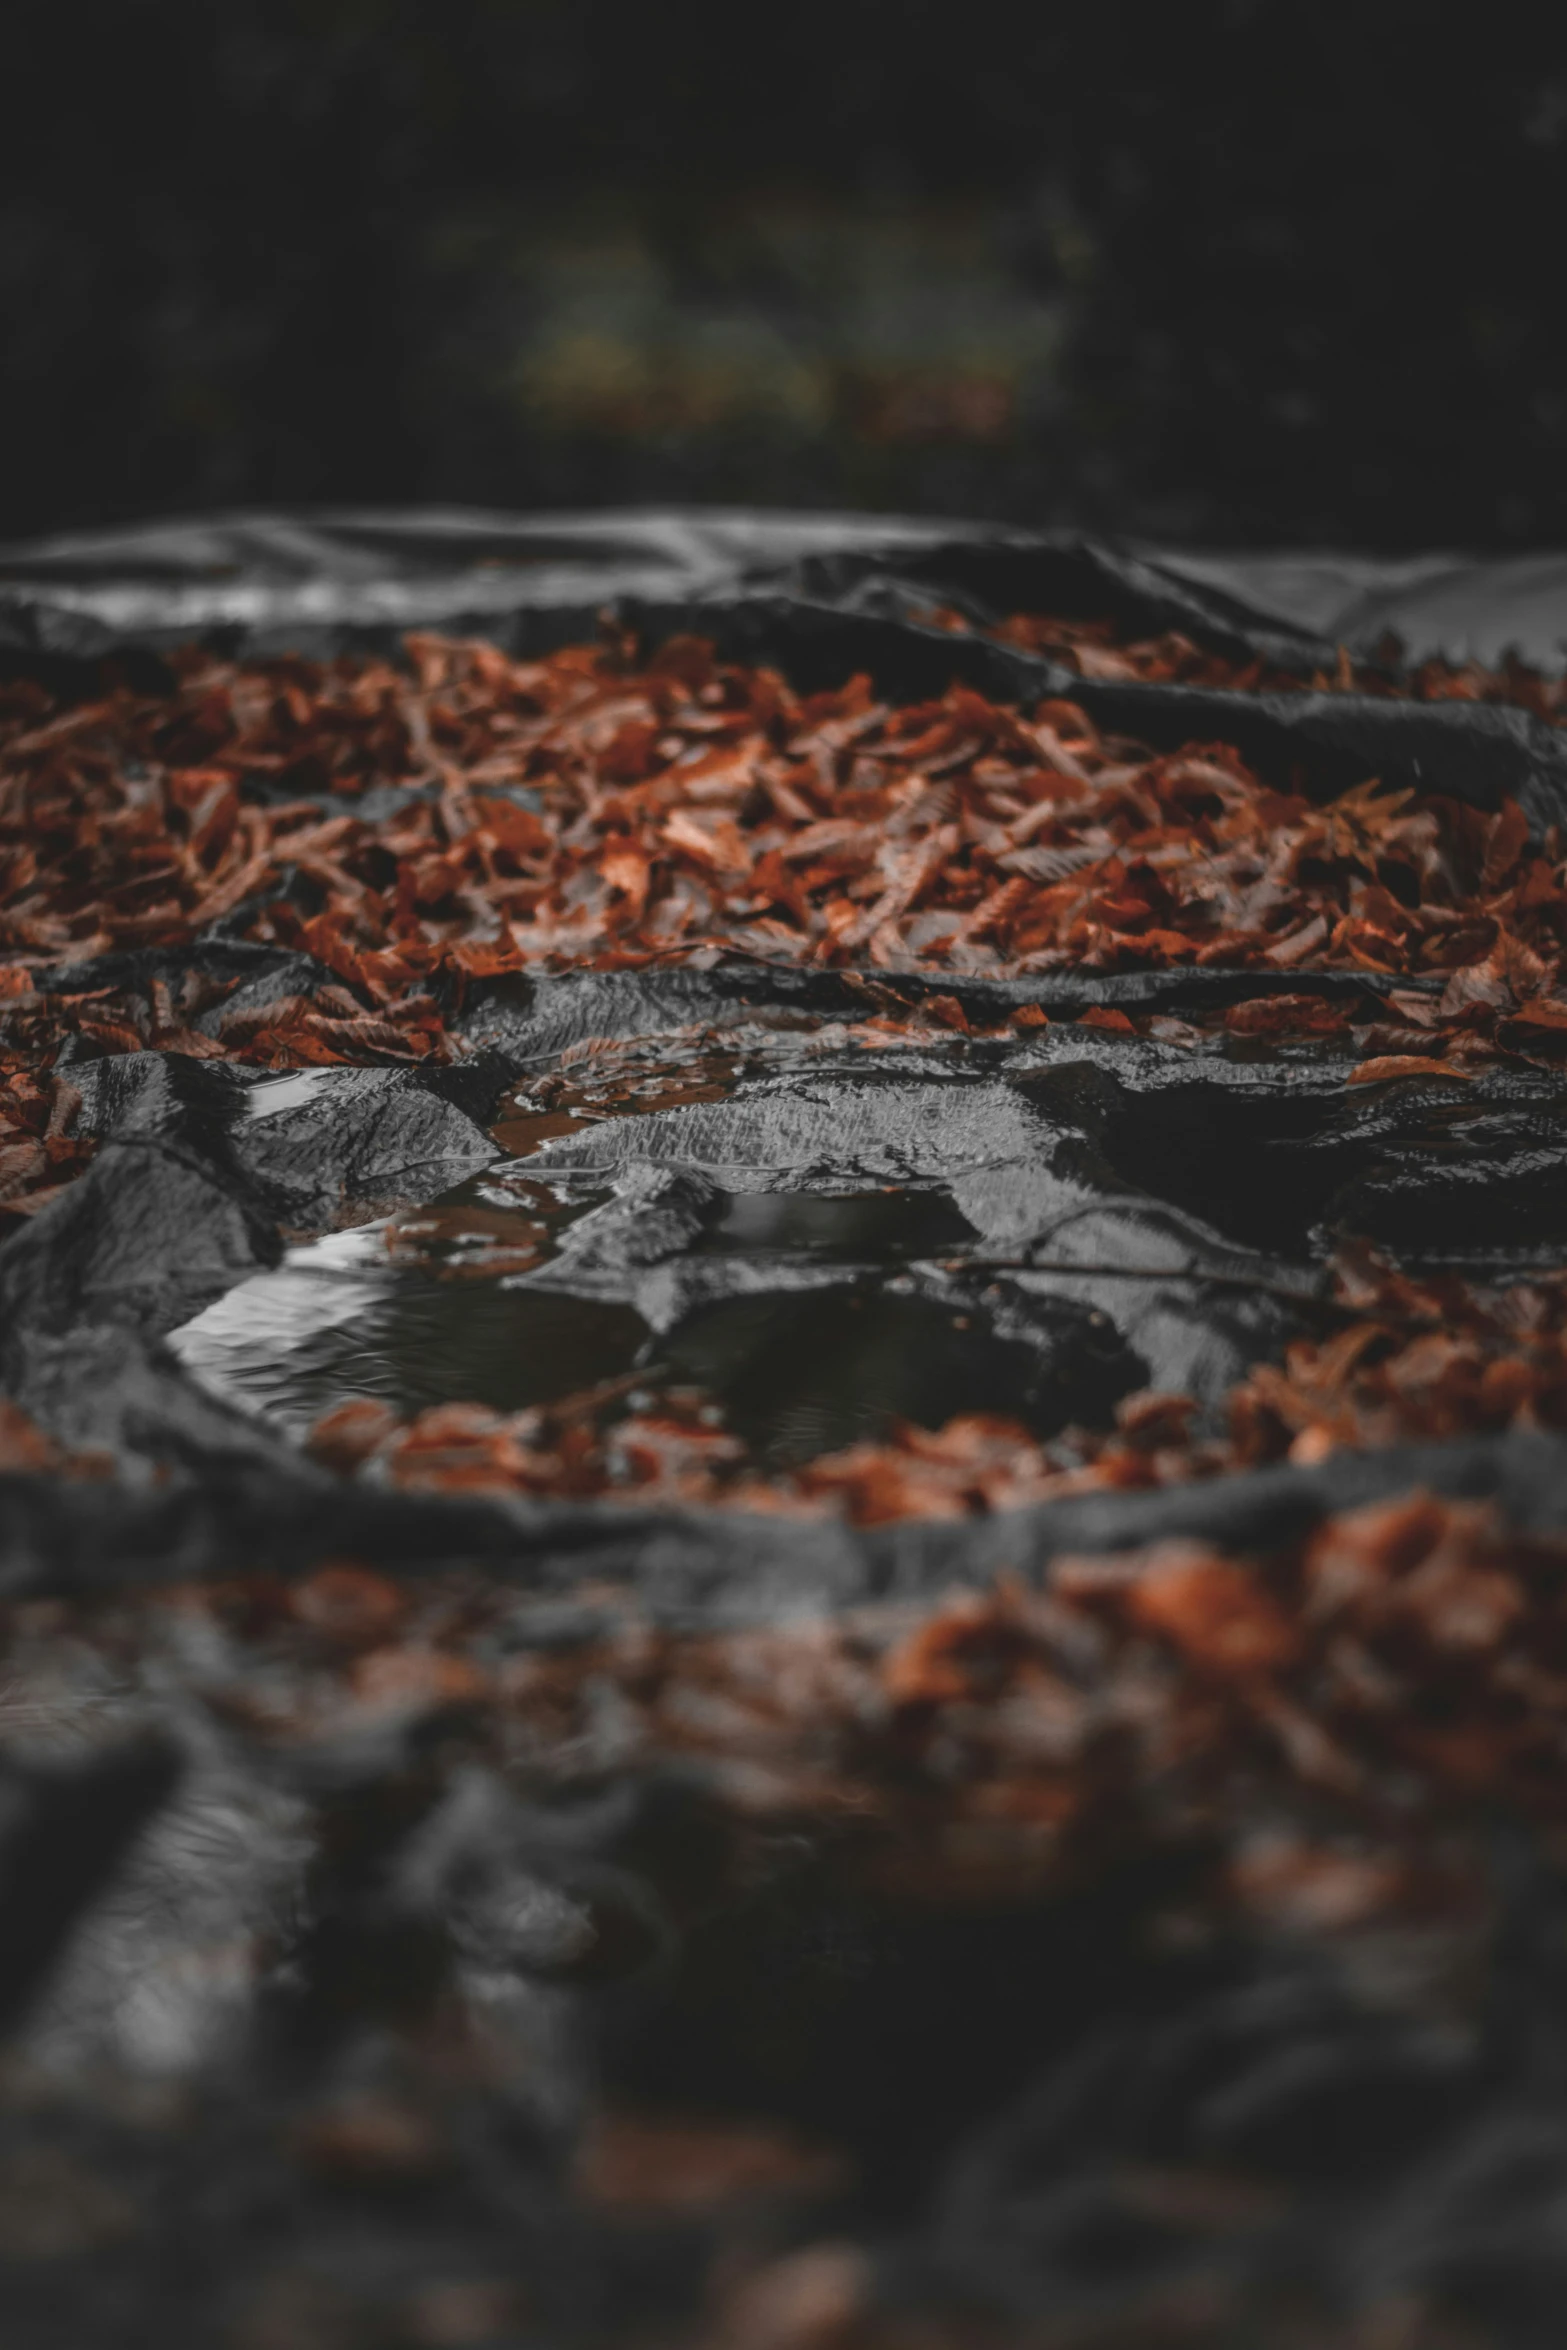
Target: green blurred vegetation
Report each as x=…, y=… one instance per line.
x=1232, y=271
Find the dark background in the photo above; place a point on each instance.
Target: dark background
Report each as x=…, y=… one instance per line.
x=1238, y=272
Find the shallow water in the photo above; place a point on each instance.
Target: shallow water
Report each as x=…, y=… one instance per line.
x=416, y=1311
x=808, y=1374
x=339, y=1319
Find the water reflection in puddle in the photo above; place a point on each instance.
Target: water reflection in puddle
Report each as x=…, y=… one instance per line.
x=861, y=1226
x=801, y=1375
x=412, y=1341
x=375, y=1312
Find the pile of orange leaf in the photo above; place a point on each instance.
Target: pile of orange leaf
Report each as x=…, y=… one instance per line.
x=1410, y=1651
x=36, y=1155
x=596, y=808
x=1095, y=648
x=1400, y=1669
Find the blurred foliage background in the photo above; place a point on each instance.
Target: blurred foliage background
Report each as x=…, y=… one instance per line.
x=1235, y=270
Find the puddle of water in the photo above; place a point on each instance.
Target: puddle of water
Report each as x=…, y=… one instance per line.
x=416, y=1309
x=485, y=1227
x=624, y=1087
x=860, y=1226
x=522, y=1131
x=804, y=1374
x=246, y=1345
x=296, y=1345
x=632, y=1076
x=374, y=1311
